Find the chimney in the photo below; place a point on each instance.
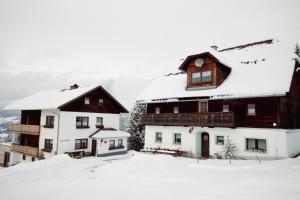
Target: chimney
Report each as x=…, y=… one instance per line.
x=75, y=86
x=214, y=47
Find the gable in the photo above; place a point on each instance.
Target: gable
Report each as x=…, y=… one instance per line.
x=209, y=75
x=110, y=104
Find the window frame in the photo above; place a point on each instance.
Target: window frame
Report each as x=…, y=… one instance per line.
x=224, y=109
x=101, y=124
x=83, y=143
x=48, y=145
x=157, y=109
x=193, y=78
x=253, y=109
x=156, y=137
x=256, y=148
x=100, y=102
x=111, y=144
x=81, y=122
x=87, y=100
x=175, y=139
x=49, y=121
x=206, y=81
x=176, y=109
x=217, y=141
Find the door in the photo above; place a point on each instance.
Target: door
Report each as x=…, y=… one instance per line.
x=205, y=145
x=6, y=159
x=94, y=147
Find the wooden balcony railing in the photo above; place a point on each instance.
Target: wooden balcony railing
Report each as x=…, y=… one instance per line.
x=208, y=119
x=23, y=128
x=32, y=151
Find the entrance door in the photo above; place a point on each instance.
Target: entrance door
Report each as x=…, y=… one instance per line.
x=94, y=147
x=205, y=145
x=6, y=159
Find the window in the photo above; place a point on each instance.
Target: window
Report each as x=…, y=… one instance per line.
x=49, y=122
x=111, y=145
x=101, y=102
x=177, y=138
x=120, y=143
x=158, y=137
x=251, y=109
x=203, y=106
x=206, y=76
x=82, y=122
x=220, y=140
x=176, y=109
x=87, y=100
x=48, y=145
x=157, y=110
x=256, y=145
x=99, y=122
x=32, y=159
x=196, y=77
x=81, y=143
x=24, y=157
x=225, y=108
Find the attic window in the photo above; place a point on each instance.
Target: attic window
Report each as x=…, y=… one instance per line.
x=196, y=77
x=201, y=77
x=251, y=109
x=100, y=102
x=86, y=100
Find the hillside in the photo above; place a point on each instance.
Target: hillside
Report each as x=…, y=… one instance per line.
x=143, y=176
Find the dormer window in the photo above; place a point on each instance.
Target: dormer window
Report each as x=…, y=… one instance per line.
x=87, y=100
x=196, y=77
x=206, y=76
x=201, y=77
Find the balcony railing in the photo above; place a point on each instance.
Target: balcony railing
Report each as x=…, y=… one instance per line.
x=23, y=128
x=207, y=119
x=33, y=151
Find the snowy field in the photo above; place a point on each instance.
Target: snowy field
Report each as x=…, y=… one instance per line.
x=144, y=176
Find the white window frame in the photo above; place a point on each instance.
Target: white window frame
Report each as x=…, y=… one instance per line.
x=251, y=111
x=157, y=110
x=217, y=143
x=176, y=109
x=156, y=140
x=174, y=138
x=225, y=108
x=86, y=100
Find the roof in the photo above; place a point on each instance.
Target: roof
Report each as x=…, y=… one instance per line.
x=53, y=99
x=257, y=69
x=105, y=134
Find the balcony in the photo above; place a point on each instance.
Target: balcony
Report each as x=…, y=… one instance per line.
x=23, y=128
x=208, y=119
x=32, y=151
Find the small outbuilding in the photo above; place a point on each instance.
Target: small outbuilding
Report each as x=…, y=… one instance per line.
x=108, y=142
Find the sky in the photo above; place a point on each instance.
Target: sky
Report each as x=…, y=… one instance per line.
x=47, y=44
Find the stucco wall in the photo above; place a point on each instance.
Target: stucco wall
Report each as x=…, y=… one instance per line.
x=68, y=131
x=191, y=142
x=293, y=142
x=103, y=146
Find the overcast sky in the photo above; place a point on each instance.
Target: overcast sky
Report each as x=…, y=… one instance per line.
x=51, y=44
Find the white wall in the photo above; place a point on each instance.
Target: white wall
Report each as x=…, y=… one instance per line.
x=18, y=158
x=103, y=146
x=293, y=142
x=49, y=133
x=68, y=131
x=275, y=138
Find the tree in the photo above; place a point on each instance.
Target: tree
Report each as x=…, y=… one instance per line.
x=297, y=49
x=136, y=128
x=229, y=149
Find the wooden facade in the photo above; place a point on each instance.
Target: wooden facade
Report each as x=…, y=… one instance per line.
x=219, y=72
x=270, y=112
x=109, y=105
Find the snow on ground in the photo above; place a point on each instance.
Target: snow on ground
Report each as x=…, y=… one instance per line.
x=147, y=176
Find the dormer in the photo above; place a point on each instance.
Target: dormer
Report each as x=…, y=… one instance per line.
x=204, y=71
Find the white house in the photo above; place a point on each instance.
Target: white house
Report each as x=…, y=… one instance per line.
x=248, y=93
x=64, y=121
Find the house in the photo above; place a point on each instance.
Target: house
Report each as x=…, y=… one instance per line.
x=65, y=121
x=249, y=94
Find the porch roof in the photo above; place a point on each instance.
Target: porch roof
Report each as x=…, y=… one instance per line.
x=104, y=134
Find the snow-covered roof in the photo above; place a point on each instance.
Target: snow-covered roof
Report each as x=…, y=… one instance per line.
x=51, y=99
x=105, y=134
x=263, y=69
